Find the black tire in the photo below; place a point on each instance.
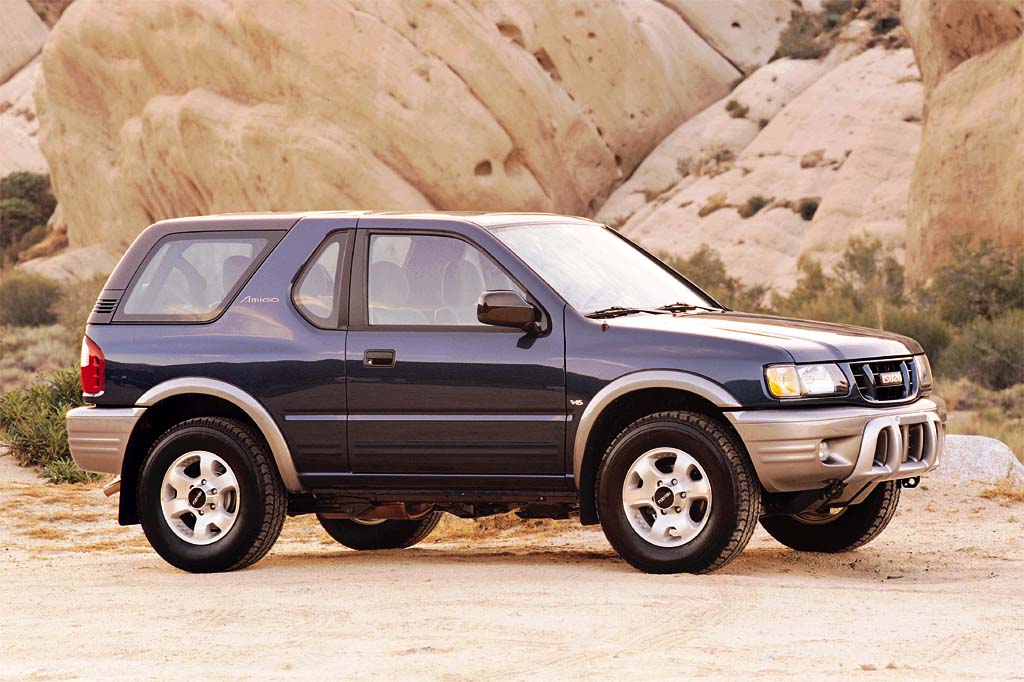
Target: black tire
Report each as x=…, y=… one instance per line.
x=262, y=498
x=394, y=534
x=854, y=527
x=736, y=495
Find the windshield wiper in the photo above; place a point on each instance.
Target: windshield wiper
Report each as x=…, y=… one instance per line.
x=618, y=311
x=681, y=307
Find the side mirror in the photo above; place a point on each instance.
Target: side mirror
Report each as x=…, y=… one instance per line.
x=507, y=309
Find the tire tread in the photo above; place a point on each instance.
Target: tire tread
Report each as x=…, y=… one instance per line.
x=275, y=497
x=748, y=489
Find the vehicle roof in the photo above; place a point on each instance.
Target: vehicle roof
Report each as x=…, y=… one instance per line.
x=283, y=221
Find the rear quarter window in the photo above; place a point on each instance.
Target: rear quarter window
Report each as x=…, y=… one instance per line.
x=191, y=277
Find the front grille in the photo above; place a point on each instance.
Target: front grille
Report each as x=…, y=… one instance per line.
x=105, y=306
x=902, y=443
x=869, y=379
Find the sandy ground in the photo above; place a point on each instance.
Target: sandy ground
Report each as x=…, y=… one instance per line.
x=940, y=596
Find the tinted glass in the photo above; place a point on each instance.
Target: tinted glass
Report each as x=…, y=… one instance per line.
x=428, y=280
x=593, y=268
x=316, y=292
x=189, y=277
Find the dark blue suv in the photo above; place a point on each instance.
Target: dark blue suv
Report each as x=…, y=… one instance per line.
x=378, y=369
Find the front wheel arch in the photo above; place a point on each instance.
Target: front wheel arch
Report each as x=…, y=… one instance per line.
x=622, y=412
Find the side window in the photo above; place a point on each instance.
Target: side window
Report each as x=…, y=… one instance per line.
x=428, y=280
x=189, y=277
x=316, y=294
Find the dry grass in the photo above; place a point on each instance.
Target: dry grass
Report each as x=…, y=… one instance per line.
x=1006, y=490
x=978, y=411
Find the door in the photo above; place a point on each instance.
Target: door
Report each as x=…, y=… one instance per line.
x=433, y=394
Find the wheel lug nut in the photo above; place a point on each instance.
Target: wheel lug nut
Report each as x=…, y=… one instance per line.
x=662, y=511
x=213, y=491
x=674, y=481
x=660, y=483
x=204, y=482
x=200, y=512
x=682, y=495
x=678, y=509
x=213, y=506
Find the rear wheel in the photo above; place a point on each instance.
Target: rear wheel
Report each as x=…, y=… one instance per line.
x=676, y=494
x=840, y=530
x=209, y=496
x=380, y=534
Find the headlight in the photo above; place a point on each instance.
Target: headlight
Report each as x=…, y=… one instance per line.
x=804, y=381
x=924, y=371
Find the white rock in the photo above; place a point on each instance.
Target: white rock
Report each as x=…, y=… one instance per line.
x=75, y=264
x=252, y=105
x=713, y=131
x=858, y=127
x=746, y=33
x=979, y=459
x=22, y=34
x=19, y=125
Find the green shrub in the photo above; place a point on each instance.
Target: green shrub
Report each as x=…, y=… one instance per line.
x=76, y=302
x=836, y=6
x=988, y=352
x=980, y=280
x=862, y=286
x=33, y=188
x=807, y=207
x=736, y=110
x=705, y=268
x=924, y=326
x=32, y=425
x=17, y=218
x=753, y=205
x=27, y=300
x=802, y=38
x=885, y=24
x=26, y=203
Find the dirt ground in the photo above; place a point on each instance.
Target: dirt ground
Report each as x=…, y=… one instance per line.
x=940, y=596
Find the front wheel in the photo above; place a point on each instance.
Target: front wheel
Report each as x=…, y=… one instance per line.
x=840, y=530
x=380, y=534
x=677, y=495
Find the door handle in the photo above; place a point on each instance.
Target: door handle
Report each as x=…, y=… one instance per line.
x=379, y=358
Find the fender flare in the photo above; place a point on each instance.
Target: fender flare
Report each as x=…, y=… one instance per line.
x=245, y=402
x=636, y=381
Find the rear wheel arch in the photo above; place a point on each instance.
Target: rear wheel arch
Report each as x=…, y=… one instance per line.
x=178, y=400
x=624, y=409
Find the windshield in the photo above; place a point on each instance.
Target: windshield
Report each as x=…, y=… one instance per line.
x=593, y=269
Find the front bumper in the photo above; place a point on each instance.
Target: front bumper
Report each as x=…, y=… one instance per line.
x=863, y=446
x=98, y=437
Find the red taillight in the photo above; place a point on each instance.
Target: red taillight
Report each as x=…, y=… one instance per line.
x=92, y=368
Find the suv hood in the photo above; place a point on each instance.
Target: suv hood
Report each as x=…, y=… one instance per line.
x=805, y=340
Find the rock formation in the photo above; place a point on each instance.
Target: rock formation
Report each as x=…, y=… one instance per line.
x=798, y=158
x=152, y=110
x=969, y=178
x=22, y=35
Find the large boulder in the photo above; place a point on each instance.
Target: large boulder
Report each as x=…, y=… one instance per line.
x=797, y=159
x=968, y=180
x=151, y=110
x=746, y=33
x=19, y=125
x=22, y=34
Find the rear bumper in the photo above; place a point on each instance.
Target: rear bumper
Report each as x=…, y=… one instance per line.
x=98, y=437
x=808, y=449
